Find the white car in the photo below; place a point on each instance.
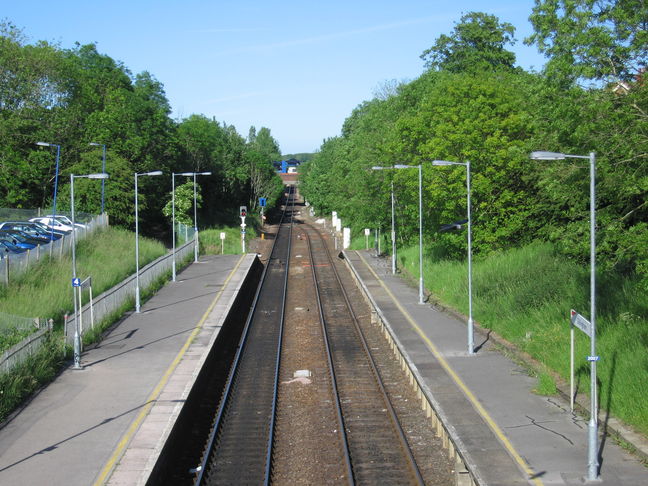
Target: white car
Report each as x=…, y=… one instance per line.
x=57, y=224
x=67, y=221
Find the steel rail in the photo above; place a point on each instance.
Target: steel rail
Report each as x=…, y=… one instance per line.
x=404, y=445
x=202, y=469
x=334, y=388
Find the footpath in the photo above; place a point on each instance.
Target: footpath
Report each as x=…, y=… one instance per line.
x=107, y=422
x=506, y=433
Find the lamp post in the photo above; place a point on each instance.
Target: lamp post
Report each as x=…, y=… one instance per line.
x=471, y=342
x=592, y=457
x=173, y=262
x=103, y=169
x=77, y=310
x=137, y=286
x=56, y=174
x=196, y=215
x=393, y=227
x=420, y=189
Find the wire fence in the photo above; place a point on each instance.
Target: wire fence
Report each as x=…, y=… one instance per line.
x=184, y=233
x=14, y=264
x=10, y=323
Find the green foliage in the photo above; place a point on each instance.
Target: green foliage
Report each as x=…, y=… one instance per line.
x=73, y=97
x=593, y=40
x=477, y=43
x=184, y=201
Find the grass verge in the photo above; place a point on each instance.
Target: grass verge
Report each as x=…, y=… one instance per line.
x=525, y=295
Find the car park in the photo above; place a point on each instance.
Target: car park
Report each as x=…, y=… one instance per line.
x=67, y=221
x=7, y=246
x=47, y=230
x=53, y=223
x=14, y=242
x=29, y=228
x=24, y=237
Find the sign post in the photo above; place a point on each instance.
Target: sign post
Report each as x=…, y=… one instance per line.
x=243, y=214
x=584, y=325
x=222, y=238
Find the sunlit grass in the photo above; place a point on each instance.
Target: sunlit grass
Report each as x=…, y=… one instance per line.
x=211, y=243
x=525, y=295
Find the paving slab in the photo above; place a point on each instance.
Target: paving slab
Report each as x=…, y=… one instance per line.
x=509, y=434
x=70, y=430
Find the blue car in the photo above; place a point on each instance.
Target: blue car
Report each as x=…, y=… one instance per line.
x=22, y=237
x=33, y=230
x=9, y=247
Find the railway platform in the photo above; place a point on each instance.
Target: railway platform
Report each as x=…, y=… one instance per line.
x=106, y=423
x=506, y=434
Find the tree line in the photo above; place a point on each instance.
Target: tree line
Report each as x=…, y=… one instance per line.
x=78, y=97
x=474, y=104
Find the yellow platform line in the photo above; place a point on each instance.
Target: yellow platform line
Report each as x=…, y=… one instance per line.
x=446, y=366
x=152, y=398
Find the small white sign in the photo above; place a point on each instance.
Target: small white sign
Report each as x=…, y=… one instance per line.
x=367, y=231
x=581, y=323
x=222, y=235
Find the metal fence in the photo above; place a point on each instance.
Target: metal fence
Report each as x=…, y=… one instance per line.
x=184, y=233
x=113, y=299
x=12, y=264
x=24, y=349
x=10, y=323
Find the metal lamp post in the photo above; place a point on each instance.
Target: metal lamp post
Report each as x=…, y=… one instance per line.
x=173, y=262
x=471, y=342
x=592, y=452
x=77, y=331
x=420, y=189
x=56, y=174
x=103, y=169
x=393, y=227
x=137, y=285
x=196, y=215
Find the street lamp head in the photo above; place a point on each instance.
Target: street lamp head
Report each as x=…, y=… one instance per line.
x=186, y=174
x=154, y=173
x=43, y=144
x=100, y=175
x=543, y=155
x=95, y=144
x=375, y=167
x=204, y=173
x=402, y=166
x=445, y=162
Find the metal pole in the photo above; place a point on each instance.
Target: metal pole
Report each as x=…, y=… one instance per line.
x=393, y=231
x=593, y=422
x=77, y=334
x=471, y=345
x=56, y=174
x=173, y=228
x=103, y=181
x=421, y=285
x=195, y=223
x=137, y=287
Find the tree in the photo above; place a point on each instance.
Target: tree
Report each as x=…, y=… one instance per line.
x=591, y=39
x=477, y=43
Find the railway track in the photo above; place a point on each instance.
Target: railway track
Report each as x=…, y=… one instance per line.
x=373, y=443
x=240, y=444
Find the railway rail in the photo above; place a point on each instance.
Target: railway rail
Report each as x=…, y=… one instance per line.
x=240, y=444
x=373, y=442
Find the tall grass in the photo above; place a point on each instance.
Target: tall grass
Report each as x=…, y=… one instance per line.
x=45, y=291
x=525, y=295
x=210, y=242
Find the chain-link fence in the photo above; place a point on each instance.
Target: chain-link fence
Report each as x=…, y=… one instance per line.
x=184, y=233
x=9, y=324
x=13, y=264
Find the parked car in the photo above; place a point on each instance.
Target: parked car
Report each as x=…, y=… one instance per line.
x=24, y=237
x=46, y=229
x=13, y=242
x=54, y=223
x=7, y=246
x=31, y=229
x=67, y=221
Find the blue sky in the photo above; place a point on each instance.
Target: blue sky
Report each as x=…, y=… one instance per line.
x=298, y=68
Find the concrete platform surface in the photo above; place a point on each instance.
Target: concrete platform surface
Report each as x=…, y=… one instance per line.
x=507, y=433
x=82, y=426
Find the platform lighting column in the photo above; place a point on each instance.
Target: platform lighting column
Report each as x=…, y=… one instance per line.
x=471, y=342
x=420, y=190
x=103, y=169
x=393, y=227
x=56, y=174
x=592, y=449
x=173, y=261
x=137, y=284
x=77, y=310
x=196, y=215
